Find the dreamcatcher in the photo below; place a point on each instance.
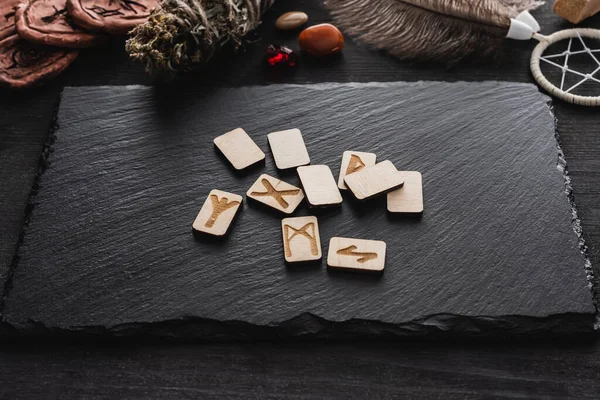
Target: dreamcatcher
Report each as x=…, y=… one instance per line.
x=447, y=30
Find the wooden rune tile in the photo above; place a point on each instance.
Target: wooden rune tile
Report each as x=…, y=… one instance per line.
x=301, y=240
x=289, y=150
x=409, y=198
x=375, y=180
x=357, y=254
x=353, y=161
x=276, y=193
x=239, y=149
x=217, y=213
x=319, y=186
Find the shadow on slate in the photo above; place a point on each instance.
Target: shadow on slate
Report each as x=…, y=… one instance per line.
x=110, y=249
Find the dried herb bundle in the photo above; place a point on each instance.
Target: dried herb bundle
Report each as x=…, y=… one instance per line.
x=182, y=33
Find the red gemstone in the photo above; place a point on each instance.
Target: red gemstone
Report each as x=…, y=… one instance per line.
x=281, y=55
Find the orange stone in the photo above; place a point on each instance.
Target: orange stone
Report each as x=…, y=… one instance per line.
x=321, y=40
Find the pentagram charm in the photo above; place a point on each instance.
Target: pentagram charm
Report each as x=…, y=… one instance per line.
x=561, y=92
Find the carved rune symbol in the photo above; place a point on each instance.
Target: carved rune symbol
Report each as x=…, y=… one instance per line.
x=219, y=206
x=363, y=257
x=103, y=12
x=9, y=15
x=52, y=17
x=276, y=194
x=314, y=249
x=355, y=164
x=127, y=5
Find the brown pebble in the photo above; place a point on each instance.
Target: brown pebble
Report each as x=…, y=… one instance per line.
x=291, y=20
x=321, y=40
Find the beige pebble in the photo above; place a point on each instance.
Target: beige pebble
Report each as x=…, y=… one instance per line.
x=291, y=20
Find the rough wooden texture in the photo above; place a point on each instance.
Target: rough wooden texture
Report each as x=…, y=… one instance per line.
x=239, y=149
x=301, y=240
x=276, y=193
x=374, y=180
x=288, y=148
x=305, y=370
x=356, y=254
x=319, y=186
x=353, y=161
x=409, y=198
x=165, y=278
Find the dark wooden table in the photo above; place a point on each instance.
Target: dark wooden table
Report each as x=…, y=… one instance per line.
x=51, y=368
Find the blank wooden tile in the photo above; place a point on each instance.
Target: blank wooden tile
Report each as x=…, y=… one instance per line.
x=288, y=149
x=359, y=254
x=409, y=198
x=276, y=193
x=354, y=161
x=319, y=186
x=301, y=240
x=217, y=213
x=239, y=149
x=375, y=180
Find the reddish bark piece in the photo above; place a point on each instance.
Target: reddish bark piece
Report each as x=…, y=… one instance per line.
x=7, y=17
x=23, y=64
x=116, y=17
x=47, y=22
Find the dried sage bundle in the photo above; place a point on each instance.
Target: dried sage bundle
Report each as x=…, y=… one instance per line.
x=183, y=33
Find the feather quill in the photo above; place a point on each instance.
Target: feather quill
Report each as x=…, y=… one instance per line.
x=441, y=30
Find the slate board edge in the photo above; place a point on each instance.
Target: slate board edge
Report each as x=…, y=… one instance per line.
x=576, y=222
x=312, y=326
x=42, y=165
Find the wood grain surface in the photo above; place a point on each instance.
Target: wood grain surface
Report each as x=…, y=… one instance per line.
x=288, y=149
x=356, y=254
x=276, y=194
x=353, y=161
x=409, y=198
x=239, y=149
x=319, y=186
x=314, y=370
x=375, y=180
x=301, y=239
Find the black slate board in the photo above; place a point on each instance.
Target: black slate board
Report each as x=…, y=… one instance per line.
x=110, y=246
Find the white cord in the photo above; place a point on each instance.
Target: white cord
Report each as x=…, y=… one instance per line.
x=545, y=42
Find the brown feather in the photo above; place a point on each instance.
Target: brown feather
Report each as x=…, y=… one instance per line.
x=443, y=30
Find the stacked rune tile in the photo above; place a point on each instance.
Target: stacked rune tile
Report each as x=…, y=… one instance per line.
x=359, y=173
